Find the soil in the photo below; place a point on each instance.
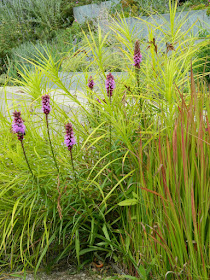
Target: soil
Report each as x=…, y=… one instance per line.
x=57, y=276
x=91, y=272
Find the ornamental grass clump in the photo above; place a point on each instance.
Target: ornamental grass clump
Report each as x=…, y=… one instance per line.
x=143, y=197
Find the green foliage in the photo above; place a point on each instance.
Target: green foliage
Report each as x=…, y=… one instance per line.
x=208, y=11
x=143, y=7
x=202, y=67
x=29, y=25
x=77, y=29
x=194, y=3
x=146, y=8
x=76, y=62
x=3, y=79
x=139, y=193
x=28, y=21
x=82, y=60
x=20, y=56
x=199, y=7
x=11, y=34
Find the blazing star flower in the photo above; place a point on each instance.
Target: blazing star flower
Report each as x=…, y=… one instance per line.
x=18, y=125
x=110, y=84
x=137, y=55
x=99, y=101
x=46, y=104
x=69, y=137
x=91, y=83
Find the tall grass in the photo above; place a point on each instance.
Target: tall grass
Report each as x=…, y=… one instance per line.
x=144, y=203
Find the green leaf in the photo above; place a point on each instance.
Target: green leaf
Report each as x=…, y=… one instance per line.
x=143, y=273
x=128, y=202
x=77, y=246
x=135, y=195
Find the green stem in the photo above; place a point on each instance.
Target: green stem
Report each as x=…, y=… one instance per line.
x=110, y=142
x=91, y=93
x=138, y=84
x=48, y=132
x=26, y=157
x=140, y=100
x=110, y=128
x=75, y=177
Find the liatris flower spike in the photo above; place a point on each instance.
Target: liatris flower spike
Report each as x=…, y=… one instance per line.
x=46, y=104
x=69, y=137
x=70, y=142
x=19, y=128
x=46, y=110
x=91, y=83
x=110, y=84
x=137, y=55
x=99, y=101
x=18, y=125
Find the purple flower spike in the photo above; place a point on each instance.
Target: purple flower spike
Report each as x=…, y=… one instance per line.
x=137, y=55
x=18, y=125
x=69, y=137
x=110, y=84
x=46, y=104
x=91, y=83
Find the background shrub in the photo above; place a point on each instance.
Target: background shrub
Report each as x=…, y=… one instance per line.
x=23, y=21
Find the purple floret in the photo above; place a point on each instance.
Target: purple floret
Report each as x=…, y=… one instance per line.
x=99, y=101
x=110, y=84
x=91, y=83
x=46, y=104
x=137, y=55
x=69, y=137
x=18, y=125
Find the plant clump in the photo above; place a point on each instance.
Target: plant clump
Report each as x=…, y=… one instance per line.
x=127, y=182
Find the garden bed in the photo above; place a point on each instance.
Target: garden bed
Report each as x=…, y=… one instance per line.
x=123, y=180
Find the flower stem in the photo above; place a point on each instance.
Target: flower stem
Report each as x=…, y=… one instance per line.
x=91, y=94
x=48, y=132
x=138, y=84
x=24, y=152
x=110, y=128
x=75, y=177
x=110, y=141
